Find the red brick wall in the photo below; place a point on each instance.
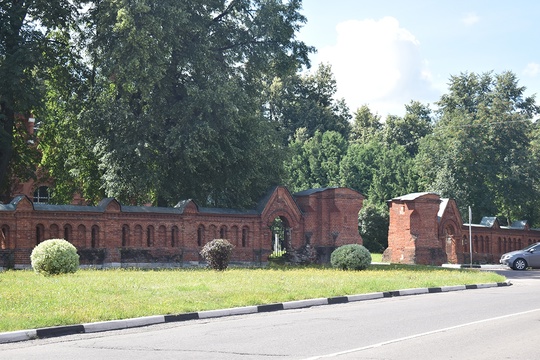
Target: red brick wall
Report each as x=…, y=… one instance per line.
x=423, y=232
x=328, y=216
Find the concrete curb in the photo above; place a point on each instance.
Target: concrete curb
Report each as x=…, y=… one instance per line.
x=23, y=335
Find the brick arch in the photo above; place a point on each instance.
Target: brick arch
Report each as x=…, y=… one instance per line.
x=451, y=241
x=175, y=236
x=233, y=234
x=290, y=223
x=246, y=238
x=4, y=237
x=223, y=232
x=95, y=237
x=68, y=233
x=138, y=236
x=125, y=236
x=212, y=232
x=40, y=233
x=201, y=230
x=81, y=236
x=162, y=236
x=54, y=231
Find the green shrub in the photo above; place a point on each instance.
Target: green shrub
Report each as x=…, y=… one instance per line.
x=217, y=253
x=351, y=257
x=55, y=256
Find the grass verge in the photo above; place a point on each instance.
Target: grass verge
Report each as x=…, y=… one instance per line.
x=29, y=301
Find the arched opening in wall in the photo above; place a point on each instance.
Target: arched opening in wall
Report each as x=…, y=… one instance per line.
x=54, y=231
x=40, y=233
x=465, y=244
x=500, y=245
x=4, y=237
x=81, y=235
x=475, y=244
x=245, y=236
x=488, y=247
x=520, y=244
x=234, y=235
x=42, y=195
x=150, y=236
x=212, y=232
x=67, y=232
x=481, y=250
x=281, y=234
x=162, y=236
x=223, y=232
x=125, y=235
x=450, y=243
x=200, y=235
x=138, y=235
x=94, y=240
x=174, y=236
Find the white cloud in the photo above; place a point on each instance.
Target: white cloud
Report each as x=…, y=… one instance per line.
x=378, y=63
x=470, y=19
x=532, y=69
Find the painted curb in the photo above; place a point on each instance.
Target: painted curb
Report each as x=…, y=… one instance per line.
x=24, y=335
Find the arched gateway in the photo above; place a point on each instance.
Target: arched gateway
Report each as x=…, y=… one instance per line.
x=112, y=234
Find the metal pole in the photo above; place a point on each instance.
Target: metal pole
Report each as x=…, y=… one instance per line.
x=470, y=232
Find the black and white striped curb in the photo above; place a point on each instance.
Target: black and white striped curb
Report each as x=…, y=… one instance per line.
x=24, y=335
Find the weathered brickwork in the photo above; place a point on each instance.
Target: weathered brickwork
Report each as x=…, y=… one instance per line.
x=425, y=229
x=112, y=234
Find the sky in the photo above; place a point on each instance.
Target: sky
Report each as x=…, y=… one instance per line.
x=385, y=53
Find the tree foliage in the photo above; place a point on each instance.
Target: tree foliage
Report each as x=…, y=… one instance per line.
x=366, y=126
x=480, y=150
x=373, y=221
x=409, y=130
x=173, y=105
x=308, y=101
x=28, y=49
x=378, y=171
x=315, y=161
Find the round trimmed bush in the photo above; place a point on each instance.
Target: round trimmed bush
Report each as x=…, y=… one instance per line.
x=217, y=253
x=351, y=257
x=55, y=256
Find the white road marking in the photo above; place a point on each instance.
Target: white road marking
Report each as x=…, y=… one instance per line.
x=419, y=335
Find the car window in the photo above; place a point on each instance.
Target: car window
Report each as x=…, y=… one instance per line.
x=534, y=247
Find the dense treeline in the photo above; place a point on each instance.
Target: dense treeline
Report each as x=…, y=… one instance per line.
x=157, y=101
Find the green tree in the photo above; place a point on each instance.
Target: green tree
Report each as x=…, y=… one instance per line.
x=378, y=171
x=480, y=150
x=315, y=162
x=28, y=48
x=408, y=131
x=373, y=221
x=307, y=101
x=366, y=126
x=175, y=105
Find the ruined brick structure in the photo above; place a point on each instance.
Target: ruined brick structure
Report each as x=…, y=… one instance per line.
x=112, y=234
x=425, y=229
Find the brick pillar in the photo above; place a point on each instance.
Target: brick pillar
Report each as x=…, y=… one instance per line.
x=413, y=230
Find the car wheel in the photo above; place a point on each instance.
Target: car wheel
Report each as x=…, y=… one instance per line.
x=519, y=264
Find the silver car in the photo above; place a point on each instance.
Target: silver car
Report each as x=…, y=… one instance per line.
x=522, y=259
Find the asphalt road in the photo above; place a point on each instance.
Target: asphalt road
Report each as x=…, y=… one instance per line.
x=492, y=323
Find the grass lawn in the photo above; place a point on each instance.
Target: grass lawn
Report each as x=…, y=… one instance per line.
x=376, y=257
x=29, y=301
